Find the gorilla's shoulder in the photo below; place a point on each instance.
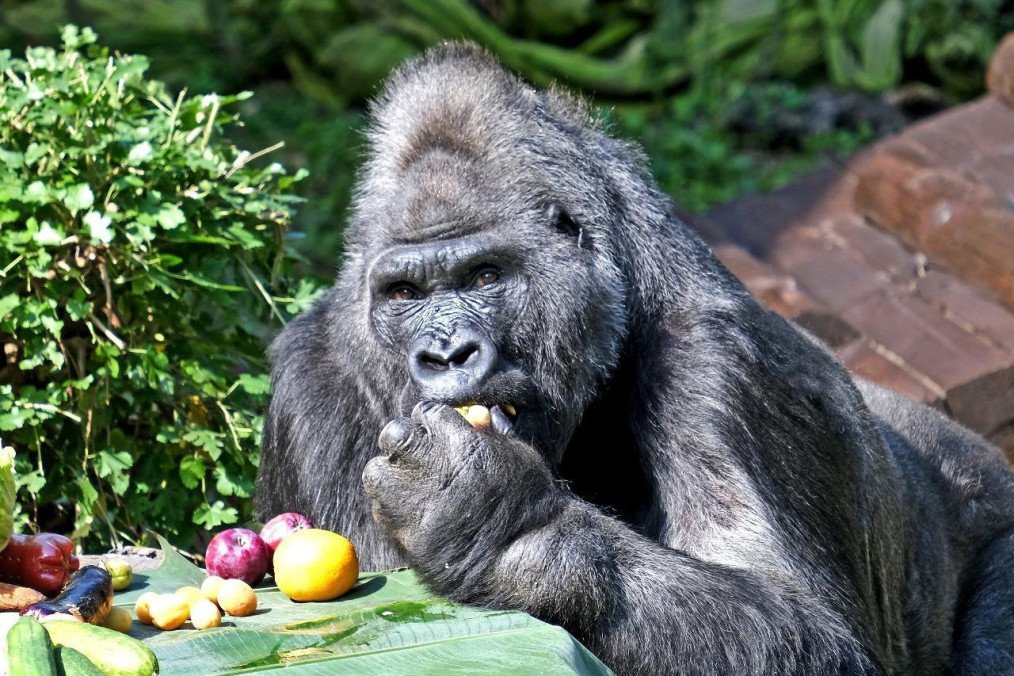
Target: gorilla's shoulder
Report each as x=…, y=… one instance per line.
x=303, y=337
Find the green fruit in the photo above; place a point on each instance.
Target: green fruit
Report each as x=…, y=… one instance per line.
x=114, y=654
x=29, y=650
x=121, y=572
x=70, y=662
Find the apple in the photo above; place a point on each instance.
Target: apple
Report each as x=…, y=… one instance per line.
x=238, y=553
x=281, y=527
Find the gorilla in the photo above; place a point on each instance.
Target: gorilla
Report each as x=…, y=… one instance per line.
x=685, y=481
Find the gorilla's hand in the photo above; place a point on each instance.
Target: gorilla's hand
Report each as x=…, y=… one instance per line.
x=455, y=498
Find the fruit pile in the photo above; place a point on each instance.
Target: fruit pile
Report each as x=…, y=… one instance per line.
x=68, y=622
x=202, y=606
x=308, y=564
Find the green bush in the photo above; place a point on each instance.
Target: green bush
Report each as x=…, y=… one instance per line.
x=141, y=270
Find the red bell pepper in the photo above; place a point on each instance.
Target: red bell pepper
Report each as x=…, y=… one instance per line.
x=43, y=562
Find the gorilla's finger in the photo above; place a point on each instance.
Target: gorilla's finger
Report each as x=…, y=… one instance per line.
x=396, y=438
x=373, y=475
x=501, y=421
x=435, y=416
x=420, y=409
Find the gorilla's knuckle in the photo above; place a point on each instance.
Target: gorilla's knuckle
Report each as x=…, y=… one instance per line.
x=374, y=474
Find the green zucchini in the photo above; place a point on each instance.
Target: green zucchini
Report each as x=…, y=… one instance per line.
x=114, y=654
x=71, y=662
x=30, y=650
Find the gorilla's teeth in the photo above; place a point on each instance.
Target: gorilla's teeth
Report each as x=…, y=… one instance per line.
x=478, y=416
x=509, y=410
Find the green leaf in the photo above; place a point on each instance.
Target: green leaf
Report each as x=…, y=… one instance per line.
x=34, y=153
x=48, y=235
x=37, y=193
x=214, y=515
x=139, y=153
x=88, y=493
x=13, y=419
x=388, y=624
x=78, y=307
x=170, y=216
x=210, y=442
x=192, y=469
x=98, y=227
x=7, y=304
x=259, y=384
x=78, y=197
x=112, y=466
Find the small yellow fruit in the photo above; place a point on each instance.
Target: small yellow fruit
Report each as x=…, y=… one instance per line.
x=118, y=619
x=478, y=416
x=204, y=615
x=141, y=607
x=210, y=586
x=315, y=565
x=169, y=611
x=121, y=572
x=190, y=594
x=237, y=598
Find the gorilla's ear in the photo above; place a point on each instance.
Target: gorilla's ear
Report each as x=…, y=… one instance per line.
x=565, y=223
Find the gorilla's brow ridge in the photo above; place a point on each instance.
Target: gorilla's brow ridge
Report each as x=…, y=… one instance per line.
x=438, y=230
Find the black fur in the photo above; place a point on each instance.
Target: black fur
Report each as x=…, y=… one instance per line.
x=693, y=485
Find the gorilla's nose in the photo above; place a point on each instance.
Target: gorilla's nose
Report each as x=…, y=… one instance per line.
x=447, y=368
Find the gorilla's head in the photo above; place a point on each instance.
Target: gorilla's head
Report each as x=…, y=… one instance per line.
x=485, y=243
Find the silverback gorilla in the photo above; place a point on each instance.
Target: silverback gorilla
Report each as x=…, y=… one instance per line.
x=682, y=479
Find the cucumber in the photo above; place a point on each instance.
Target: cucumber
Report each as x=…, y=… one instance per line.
x=70, y=662
x=29, y=650
x=114, y=654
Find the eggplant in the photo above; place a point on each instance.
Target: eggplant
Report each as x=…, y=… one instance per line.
x=86, y=598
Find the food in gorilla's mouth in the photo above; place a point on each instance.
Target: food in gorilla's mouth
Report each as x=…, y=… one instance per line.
x=480, y=417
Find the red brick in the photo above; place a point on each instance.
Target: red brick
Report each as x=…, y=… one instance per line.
x=954, y=220
x=867, y=360
x=985, y=404
x=756, y=222
x=877, y=249
x=997, y=172
x=968, y=306
x=825, y=271
x=958, y=137
x=958, y=362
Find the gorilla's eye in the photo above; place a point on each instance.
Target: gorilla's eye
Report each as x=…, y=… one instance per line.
x=485, y=277
x=402, y=291
x=565, y=224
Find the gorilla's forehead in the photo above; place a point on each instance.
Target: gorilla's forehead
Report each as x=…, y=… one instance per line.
x=445, y=195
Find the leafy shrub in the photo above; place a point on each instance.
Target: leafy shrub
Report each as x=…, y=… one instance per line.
x=141, y=270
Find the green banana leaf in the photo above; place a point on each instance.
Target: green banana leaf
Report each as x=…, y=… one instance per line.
x=388, y=624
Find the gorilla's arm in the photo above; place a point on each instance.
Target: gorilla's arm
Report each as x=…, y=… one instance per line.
x=645, y=608
x=482, y=519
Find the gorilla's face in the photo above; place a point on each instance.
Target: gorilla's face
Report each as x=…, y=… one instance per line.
x=520, y=316
x=448, y=306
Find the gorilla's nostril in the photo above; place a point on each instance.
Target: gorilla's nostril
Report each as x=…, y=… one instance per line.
x=432, y=362
x=462, y=355
x=441, y=361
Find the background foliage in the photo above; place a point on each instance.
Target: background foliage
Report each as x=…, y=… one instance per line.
x=139, y=405
x=730, y=95
x=140, y=267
